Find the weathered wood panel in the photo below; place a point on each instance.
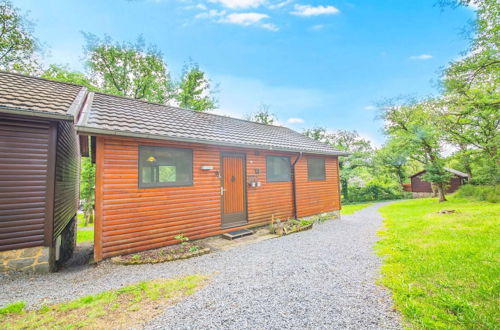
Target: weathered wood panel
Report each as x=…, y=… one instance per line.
x=25, y=186
x=131, y=219
x=67, y=174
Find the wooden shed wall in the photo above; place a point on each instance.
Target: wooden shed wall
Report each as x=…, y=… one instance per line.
x=26, y=182
x=67, y=174
x=419, y=185
x=130, y=219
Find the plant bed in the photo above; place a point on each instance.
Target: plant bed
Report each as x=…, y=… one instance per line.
x=289, y=226
x=184, y=250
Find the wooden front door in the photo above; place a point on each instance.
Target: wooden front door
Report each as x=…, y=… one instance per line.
x=234, y=212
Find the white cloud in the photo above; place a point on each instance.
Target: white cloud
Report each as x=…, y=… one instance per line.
x=239, y=4
x=317, y=27
x=370, y=107
x=249, y=19
x=422, y=57
x=212, y=13
x=308, y=10
x=245, y=19
x=270, y=27
x=295, y=120
x=279, y=4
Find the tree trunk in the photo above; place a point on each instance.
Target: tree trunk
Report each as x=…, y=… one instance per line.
x=466, y=160
x=440, y=189
x=401, y=177
x=344, y=189
x=435, y=190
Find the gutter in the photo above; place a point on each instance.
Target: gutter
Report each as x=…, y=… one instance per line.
x=294, y=186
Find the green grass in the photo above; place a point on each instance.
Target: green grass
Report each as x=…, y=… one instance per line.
x=14, y=308
x=81, y=221
x=443, y=269
x=350, y=209
x=128, y=307
x=84, y=235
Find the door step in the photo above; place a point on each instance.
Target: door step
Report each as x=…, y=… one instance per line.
x=237, y=234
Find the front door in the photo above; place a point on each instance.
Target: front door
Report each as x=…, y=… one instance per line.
x=233, y=191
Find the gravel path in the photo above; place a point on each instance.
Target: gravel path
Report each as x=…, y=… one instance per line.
x=321, y=278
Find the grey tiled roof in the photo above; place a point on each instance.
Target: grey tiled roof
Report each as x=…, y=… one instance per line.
x=458, y=173
x=36, y=96
x=128, y=117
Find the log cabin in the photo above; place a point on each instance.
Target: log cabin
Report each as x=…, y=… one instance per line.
x=160, y=171
x=163, y=171
x=39, y=172
x=420, y=187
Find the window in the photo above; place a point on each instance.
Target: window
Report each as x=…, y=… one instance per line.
x=316, y=169
x=165, y=167
x=278, y=168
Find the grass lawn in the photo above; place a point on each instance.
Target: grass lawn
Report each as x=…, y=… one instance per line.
x=443, y=269
x=85, y=235
x=128, y=307
x=350, y=209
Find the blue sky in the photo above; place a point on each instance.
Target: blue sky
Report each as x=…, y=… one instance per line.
x=316, y=63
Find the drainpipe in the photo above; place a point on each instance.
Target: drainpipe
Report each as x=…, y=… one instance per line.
x=294, y=186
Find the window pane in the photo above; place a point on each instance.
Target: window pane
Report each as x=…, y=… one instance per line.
x=316, y=168
x=165, y=166
x=147, y=174
x=278, y=168
x=167, y=173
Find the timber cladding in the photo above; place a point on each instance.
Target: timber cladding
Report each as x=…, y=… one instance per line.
x=418, y=185
x=67, y=174
x=25, y=182
x=39, y=171
x=131, y=219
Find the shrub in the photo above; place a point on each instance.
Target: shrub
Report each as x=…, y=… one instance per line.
x=375, y=191
x=481, y=193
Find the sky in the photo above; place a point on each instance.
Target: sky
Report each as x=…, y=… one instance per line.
x=313, y=62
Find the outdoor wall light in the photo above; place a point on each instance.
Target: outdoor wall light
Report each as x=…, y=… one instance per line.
x=207, y=168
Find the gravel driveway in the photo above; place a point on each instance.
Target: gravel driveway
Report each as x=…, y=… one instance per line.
x=321, y=278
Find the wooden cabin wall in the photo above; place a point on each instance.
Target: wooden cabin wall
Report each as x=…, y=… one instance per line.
x=318, y=196
x=67, y=176
x=27, y=151
x=131, y=219
x=420, y=186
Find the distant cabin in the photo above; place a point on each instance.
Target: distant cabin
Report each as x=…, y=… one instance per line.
x=418, y=185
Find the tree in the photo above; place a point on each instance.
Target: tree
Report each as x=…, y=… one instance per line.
x=414, y=125
x=469, y=108
x=128, y=69
x=63, y=74
x=263, y=115
x=394, y=158
x=194, y=90
x=17, y=44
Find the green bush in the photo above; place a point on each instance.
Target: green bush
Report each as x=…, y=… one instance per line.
x=375, y=191
x=481, y=193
